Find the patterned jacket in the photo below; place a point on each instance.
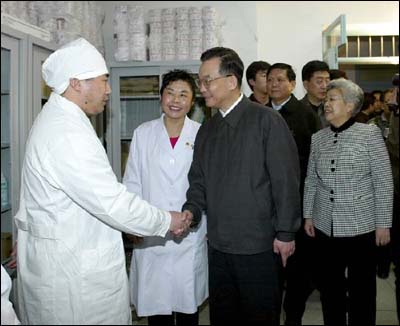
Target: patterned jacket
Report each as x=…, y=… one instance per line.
x=349, y=186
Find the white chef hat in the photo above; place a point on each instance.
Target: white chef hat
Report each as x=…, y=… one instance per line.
x=77, y=59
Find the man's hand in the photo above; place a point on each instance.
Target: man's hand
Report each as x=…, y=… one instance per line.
x=284, y=249
x=13, y=261
x=180, y=222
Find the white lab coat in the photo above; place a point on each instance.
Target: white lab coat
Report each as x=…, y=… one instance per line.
x=8, y=316
x=71, y=262
x=167, y=274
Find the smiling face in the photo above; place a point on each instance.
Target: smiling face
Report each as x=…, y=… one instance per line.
x=337, y=111
x=177, y=99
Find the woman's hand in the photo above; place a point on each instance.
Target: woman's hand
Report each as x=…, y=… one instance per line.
x=309, y=227
x=382, y=236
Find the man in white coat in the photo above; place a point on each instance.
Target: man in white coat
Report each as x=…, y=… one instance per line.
x=71, y=262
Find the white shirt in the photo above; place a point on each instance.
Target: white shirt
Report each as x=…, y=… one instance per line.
x=224, y=114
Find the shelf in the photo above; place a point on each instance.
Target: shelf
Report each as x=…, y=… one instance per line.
x=5, y=208
x=3, y=92
x=140, y=97
x=5, y=145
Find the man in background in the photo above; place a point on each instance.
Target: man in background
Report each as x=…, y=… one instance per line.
x=256, y=76
x=315, y=76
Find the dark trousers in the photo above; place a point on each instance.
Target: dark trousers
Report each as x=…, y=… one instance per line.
x=176, y=318
x=301, y=278
x=244, y=289
x=357, y=255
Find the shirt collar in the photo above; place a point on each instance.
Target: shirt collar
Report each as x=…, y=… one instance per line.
x=344, y=126
x=224, y=114
x=278, y=107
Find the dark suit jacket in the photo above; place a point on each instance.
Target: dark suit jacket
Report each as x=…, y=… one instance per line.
x=245, y=175
x=302, y=122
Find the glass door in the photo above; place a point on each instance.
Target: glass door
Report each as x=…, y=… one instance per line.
x=10, y=140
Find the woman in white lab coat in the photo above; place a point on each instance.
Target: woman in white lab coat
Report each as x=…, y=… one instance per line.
x=168, y=276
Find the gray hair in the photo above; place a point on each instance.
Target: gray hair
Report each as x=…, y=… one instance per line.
x=351, y=92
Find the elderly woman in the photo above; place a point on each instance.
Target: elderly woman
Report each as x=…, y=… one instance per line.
x=348, y=206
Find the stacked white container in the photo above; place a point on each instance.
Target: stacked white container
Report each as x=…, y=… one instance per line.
x=168, y=33
x=121, y=33
x=196, y=33
x=210, y=28
x=155, y=48
x=182, y=33
x=69, y=21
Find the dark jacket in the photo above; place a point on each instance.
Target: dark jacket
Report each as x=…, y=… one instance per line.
x=245, y=176
x=302, y=122
x=319, y=110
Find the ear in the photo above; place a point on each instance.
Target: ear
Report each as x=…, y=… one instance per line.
x=252, y=82
x=232, y=82
x=305, y=85
x=292, y=85
x=75, y=84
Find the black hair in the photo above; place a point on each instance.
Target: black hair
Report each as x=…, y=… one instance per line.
x=291, y=75
x=313, y=66
x=254, y=68
x=175, y=75
x=336, y=74
x=231, y=64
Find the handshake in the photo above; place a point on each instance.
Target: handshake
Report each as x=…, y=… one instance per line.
x=180, y=222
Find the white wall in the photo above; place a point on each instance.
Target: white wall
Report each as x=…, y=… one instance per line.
x=290, y=31
x=277, y=31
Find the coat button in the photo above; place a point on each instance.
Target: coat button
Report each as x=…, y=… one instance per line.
x=332, y=199
x=332, y=192
x=335, y=141
x=335, y=135
x=333, y=169
x=333, y=161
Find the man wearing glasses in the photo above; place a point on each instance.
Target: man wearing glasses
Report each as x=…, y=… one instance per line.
x=245, y=174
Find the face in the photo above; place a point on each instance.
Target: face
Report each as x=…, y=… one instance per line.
x=377, y=103
x=337, y=111
x=177, y=99
x=316, y=86
x=214, y=87
x=95, y=92
x=260, y=82
x=278, y=85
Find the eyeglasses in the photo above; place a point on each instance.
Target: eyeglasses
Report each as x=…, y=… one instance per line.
x=207, y=81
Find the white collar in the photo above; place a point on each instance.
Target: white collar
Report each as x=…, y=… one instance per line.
x=224, y=114
x=278, y=107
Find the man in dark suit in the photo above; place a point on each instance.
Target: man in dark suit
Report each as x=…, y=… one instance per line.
x=245, y=174
x=303, y=122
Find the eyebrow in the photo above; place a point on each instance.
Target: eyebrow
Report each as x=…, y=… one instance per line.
x=173, y=89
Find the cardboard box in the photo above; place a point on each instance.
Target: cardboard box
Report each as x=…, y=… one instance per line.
x=6, y=245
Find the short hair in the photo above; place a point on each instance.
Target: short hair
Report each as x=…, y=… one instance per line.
x=336, y=73
x=369, y=99
x=254, y=68
x=351, y=92
x=284, y=66
x=311, y=67
x=175, y=75
x=231, y=64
